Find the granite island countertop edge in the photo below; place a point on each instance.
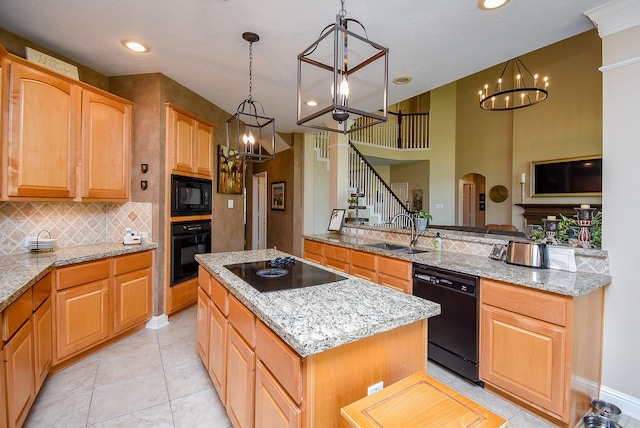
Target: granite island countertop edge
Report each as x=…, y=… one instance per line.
x=18, y=272
x=322, y=317
x=573, y=284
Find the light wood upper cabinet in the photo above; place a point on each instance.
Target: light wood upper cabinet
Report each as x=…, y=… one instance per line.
x=106, y=147
x=190, y=140
x=44, y=120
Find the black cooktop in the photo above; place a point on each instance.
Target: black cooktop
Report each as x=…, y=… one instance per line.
x=282, y=274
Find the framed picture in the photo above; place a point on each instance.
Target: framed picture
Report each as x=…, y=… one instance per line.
x=498, y=251
x=335, y=222
x=277, y=195
x=230, y=171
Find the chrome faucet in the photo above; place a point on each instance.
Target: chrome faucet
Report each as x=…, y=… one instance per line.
x=414, y=230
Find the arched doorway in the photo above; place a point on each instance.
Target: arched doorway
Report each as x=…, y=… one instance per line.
x=473, y=200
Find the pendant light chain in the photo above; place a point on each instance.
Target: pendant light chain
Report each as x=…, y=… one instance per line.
x=250, y=68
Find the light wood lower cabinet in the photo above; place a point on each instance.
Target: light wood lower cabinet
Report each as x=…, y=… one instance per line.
x=43, y=342
x=388, y=271
x=82, y=317
x=202, y=326
x=264, y=383
x=541, y=349
x=95, y=301
x=20, y=373
x=3, y=386
x=241, y=365
x=274, y=408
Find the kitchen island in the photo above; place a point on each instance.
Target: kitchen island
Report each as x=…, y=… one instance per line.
x=295, y=357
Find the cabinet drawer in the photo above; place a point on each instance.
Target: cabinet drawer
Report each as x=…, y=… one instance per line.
x=404, y=285
x=132, y=262
x=17, y=314
x=364, y=260
x=313, y=247
x=81, y=274
x=532, y=303
x=337, y=264
x=242, y=320
x=204, y=280
x=394, y=267
x=336, y=253
x=220, y=296
x=42, y=290
x=364, y=273
x=281, y=360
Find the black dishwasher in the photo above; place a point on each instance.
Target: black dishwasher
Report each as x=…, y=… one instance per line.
x=453, y=335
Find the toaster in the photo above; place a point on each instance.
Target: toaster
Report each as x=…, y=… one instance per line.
x=527, y=253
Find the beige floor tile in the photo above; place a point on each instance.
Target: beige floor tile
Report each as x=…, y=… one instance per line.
x=178, y=353
x=142, y=340
x=187, y=379
x=154, y=417
x=79, y=376
x=525, y=420
x=202, y=409
x=127, y=396
x=68, y=410
x=485, y=398
x=181, y=328
x=139, y=362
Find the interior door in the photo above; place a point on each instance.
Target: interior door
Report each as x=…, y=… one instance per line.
x=401, y=190
x=469, y=204
x=259, y=215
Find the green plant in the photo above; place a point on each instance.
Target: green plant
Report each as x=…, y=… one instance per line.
x=352, y=201
x=424, y=214
x=596, y=229
x=538, y=235
x=562, y=234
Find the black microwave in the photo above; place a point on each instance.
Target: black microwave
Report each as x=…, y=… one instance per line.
x=190, y=196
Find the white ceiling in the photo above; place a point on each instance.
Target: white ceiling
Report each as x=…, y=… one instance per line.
x=198, y=43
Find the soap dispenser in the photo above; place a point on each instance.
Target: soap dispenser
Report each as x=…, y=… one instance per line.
x=438, y=242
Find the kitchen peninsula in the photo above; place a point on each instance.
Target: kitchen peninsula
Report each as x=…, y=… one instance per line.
x=540, y=330
x=301, y=354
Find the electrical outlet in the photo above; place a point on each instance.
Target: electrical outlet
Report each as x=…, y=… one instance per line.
x=375, y=388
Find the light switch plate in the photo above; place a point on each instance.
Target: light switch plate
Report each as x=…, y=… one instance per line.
x=230, y=203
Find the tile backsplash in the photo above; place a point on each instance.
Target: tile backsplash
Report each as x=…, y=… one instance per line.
x=71, y=223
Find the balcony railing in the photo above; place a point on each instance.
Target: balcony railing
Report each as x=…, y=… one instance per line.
x=401, y=131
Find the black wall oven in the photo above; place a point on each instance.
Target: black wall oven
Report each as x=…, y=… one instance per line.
x=190, y=196
x=188, y=238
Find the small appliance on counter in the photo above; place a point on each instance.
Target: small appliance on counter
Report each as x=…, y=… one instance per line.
x=131, y=237
x=527, y=253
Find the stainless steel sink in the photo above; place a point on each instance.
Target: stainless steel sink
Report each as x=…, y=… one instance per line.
x=409, y=251
x=386, y=246
x=397, y=248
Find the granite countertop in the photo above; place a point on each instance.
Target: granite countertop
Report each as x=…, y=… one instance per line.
x=18, y=272
x=556, y=281
x=321, y=317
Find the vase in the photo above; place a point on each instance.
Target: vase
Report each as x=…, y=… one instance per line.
x=421, y=223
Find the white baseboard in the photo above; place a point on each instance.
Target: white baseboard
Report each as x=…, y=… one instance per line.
x=629, y=405
x=158, y=322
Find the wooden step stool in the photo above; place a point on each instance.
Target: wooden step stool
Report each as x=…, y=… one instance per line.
x=418, y=401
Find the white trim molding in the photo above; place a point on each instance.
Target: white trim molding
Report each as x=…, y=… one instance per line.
x=629, y=405
x=615, y=16
x=158, y=321
x=620, y=64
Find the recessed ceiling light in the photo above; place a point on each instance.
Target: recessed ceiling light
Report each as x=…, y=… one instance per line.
x=135, y=46
x=312, y=103
x=402, y=80
x=491, y=4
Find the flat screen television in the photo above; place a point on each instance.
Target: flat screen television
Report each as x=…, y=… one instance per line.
x=568, y=177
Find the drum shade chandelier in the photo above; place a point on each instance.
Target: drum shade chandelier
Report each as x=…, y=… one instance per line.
x=524, y=90
x=250, y=133
x=342, y=79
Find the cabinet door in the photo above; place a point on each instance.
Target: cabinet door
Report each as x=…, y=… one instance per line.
x=20, y=370
x=106, y=147
x=524, y=356
x=82, y=317
x=218, y=350
x=274, y=408
x=43, y=331
x=240, y=381
x=132, y=299
x=202, y=326
x=181, y=140
x=45, y=127
x=204, y=150
x=3, y=385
